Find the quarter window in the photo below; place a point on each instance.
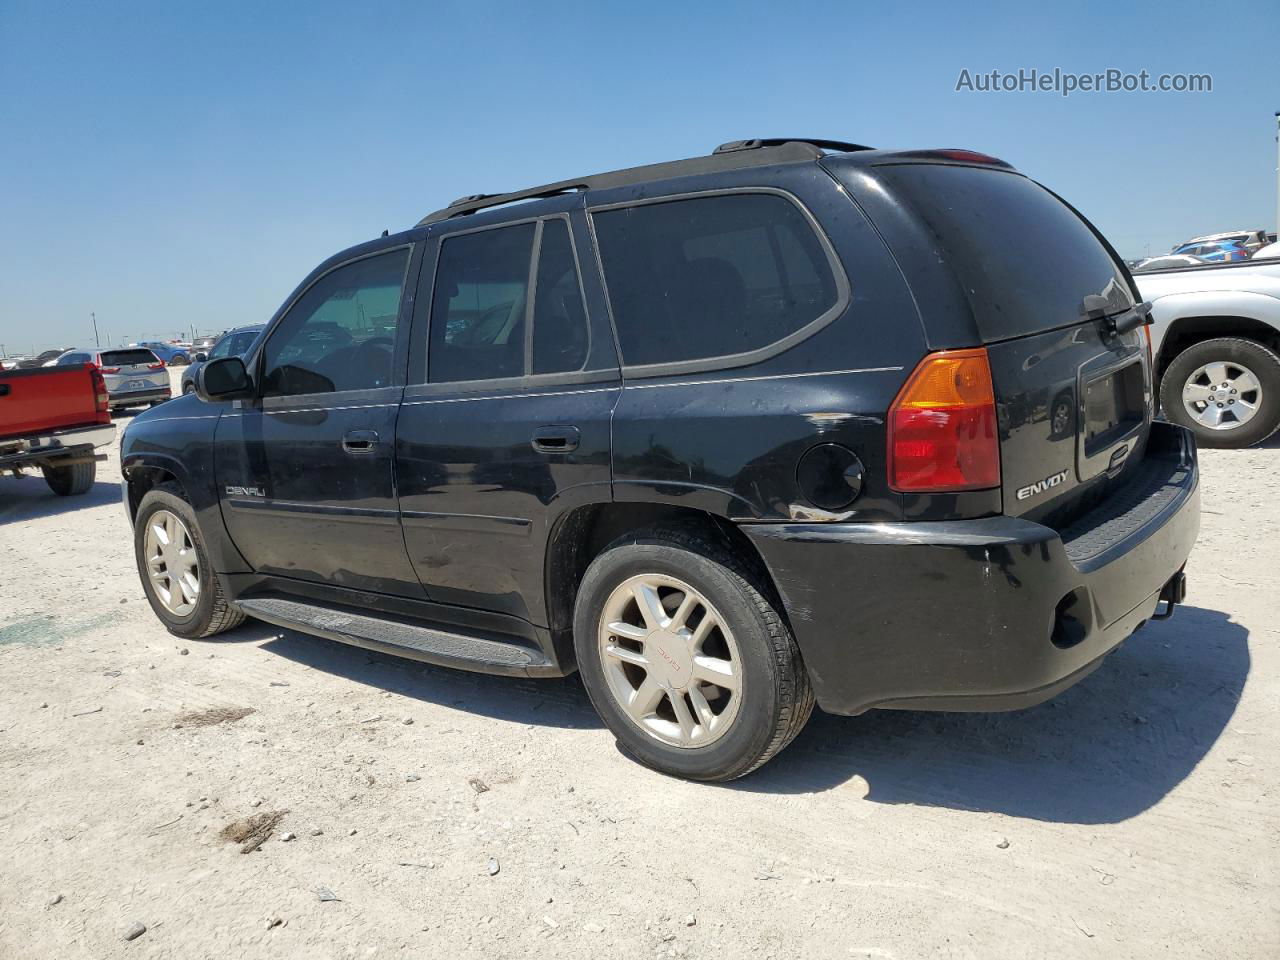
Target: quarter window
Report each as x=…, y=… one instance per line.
x=711, y=276
x=340, y=335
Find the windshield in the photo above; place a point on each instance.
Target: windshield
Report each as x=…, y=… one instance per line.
x=1025, y=259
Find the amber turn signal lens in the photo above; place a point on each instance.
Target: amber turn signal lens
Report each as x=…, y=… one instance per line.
x=942, y=426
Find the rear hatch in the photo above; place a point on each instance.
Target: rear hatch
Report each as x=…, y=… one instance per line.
x=133, y=370
x=1074, y=398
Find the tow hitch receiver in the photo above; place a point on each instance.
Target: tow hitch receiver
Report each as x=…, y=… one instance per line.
x=1172, y=593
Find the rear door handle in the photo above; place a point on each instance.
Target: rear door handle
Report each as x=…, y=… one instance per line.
x=556, y=439
x=360, y=441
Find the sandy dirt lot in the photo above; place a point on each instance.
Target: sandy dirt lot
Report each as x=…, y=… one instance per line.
x=1136, y=816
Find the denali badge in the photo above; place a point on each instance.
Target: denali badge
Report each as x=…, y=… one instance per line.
x=1040, y=486
x=245, y=492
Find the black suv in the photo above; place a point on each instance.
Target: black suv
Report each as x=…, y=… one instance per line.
x=799, y=420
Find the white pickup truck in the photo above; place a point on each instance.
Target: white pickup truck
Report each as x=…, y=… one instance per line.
x=1216, y=336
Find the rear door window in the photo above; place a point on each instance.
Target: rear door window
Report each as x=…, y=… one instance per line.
x=483, y=325
x=560, y=335
x=712, y=276
x=1024, y=258
x=70, y=359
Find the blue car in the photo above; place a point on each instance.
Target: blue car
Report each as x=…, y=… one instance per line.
x=171, y=355
x=1218, y=251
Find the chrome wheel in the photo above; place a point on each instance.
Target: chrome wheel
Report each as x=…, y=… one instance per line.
x=670, y=660
x=1222, y=395
x=172, y=562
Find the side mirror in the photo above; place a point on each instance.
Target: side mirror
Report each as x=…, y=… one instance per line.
x=200, y=357
x=223, y=379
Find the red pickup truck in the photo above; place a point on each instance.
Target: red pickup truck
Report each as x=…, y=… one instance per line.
x=53, y=419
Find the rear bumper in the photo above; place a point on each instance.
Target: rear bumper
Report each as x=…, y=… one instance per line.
x=124, y=398
x=58, y=441
x=990, y=614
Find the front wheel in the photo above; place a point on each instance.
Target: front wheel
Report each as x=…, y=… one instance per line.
x=1226, y=390
x=175, y=569
x=686, y=658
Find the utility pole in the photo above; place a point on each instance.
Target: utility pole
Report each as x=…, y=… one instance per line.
x=96, y=342
x=1278, y=170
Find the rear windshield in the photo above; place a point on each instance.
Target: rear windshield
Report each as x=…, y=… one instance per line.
x=1025, y=259
x=127, y=358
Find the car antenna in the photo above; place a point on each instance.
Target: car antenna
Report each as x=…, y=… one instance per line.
x=386, y=233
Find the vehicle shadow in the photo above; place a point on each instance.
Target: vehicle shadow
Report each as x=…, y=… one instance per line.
x=552, y=702
x=27, y=498
x=1104, y=751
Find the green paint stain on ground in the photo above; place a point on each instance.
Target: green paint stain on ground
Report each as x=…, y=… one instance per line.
x=48, y=630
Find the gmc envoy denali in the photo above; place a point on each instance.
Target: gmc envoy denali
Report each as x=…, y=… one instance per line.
x=797, y=421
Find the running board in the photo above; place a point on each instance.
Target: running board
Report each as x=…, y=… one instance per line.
x=402, y=639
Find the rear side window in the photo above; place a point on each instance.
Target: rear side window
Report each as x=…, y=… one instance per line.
x=127, y=358
x=69, y=359
x=711, y=276
x=1025, y=259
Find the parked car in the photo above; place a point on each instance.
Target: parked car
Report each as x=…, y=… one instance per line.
x=233, y=343
x=1251, y=240
x=1167, y=262
x=204, y=344
x=54, y=421
x=726, y=435
x=134, y=375
x=1216, y=336
x=172, y=356
x=12, y=363
x=43, y=359
x=1217, y=251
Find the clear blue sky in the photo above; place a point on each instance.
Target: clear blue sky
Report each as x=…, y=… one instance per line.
x=173, y=164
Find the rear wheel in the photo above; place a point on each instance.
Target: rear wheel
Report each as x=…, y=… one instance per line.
x=1226, y=390
x=175, y=569
x=686, y=658
x=71, y=480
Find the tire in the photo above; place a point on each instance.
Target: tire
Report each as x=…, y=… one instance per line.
x=1236, y=354
x=178, y=360
x=210, y=612
x=71, y=480
x=773, y=699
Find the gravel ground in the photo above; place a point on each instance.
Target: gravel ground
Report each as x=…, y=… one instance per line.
x=436, y=813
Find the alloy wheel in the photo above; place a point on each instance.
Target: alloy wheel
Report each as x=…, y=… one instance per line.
x=1222, y=395
x=670, y=660
x=172, y=562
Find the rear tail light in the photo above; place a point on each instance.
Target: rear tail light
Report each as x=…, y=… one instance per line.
x=102, y=400
x=156, y=366
x=942, y=426
x=109, y=369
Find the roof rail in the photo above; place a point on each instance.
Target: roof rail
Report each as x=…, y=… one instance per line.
x=728, y=156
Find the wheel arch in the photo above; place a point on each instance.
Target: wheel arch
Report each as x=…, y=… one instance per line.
x=143, y=472
x=1198, y=324
x=581, y=534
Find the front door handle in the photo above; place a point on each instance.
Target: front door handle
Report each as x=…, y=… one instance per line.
x=556, y=439
x=360, y=441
